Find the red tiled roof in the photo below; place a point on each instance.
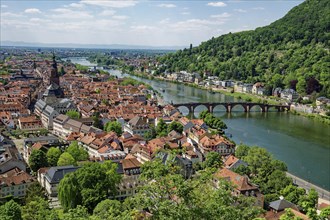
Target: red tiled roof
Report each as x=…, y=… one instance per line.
x=241, y=183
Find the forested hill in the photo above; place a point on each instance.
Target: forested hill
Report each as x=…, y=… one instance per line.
x=292, y=52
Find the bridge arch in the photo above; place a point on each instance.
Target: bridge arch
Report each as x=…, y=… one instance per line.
x=256, y=108
x=221, y=107
x=190, y=108
x=200, y=108
x=237, y=107
x=184, y=110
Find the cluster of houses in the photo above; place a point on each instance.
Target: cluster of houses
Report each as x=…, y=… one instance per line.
x=137, y=111
x=214, y=82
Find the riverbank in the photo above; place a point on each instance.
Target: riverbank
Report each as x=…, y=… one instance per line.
x=239, y=96
x=317, y=117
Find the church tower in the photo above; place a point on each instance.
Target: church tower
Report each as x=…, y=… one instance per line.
x=54, y=77
x=53, y=90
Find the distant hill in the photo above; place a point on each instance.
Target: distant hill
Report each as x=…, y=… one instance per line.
x=91, y=46
x=292, y=52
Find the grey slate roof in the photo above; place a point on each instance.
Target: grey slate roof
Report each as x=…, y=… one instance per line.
x=188, y=126
x=40, y=104
x=48, y=111
x=56, y=174
x=281, y=204
x=50, y=139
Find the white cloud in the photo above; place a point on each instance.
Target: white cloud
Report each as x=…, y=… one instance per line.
x=112, y=4
x=217, y=4
x=120, y=17
x=196, y=25
x=240, y=10
x=32, y=11
x=258, y=8
x=167, y=5
x=107, y=13
x=142, y=28
x=76, y=5
x=185, y=13
x=4, y=6
x=10, y=15
x=66, y=13
x=165, y=21
x=223, y=15
x=39, y=20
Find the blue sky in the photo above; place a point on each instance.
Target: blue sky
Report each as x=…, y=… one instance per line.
x=150, y=23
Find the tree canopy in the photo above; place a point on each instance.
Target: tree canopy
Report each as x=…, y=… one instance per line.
x=53, y=154
x=37, y=160
x=293, y=48
x=66, y=159
x=113, y=126
x=73, y=114
x=10, y=211
x=89, y=185
x=77, y=152
x=212, y=121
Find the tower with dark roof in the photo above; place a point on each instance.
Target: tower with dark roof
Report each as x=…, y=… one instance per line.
x=54, y=77
x=53, y=90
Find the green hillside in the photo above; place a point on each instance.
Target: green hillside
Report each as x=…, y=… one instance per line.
x=292, y=52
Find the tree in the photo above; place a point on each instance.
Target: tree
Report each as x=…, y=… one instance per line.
x=203, y=114
x=10, y=211
x=242, y=170
x=153, y=169
x=241, y=151
x=77, y=152
x=151, y=134
x=301, y=85
x=277, y=181
x=325, y=213
x=213, y=160
x=37, y=160
x=108, y=209
x=78, y=213
x=309, y=202
x=53, y=154
x=33, y=192
x=66, y=159
x=38, y=210
x=264, y=171
x=89, y=185
x=167, y=195
x=212, y=121
x=113, y=126
x=73, y=114
x=176, y=126
x=161, y=128
x=289, y=215
x=69, y=192
x=293, y=193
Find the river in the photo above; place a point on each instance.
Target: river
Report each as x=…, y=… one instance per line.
x=302, y=143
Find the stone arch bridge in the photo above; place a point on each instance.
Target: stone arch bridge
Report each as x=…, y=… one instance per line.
x=247, y=106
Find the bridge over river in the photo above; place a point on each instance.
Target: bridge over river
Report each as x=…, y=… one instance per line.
x=247, y=106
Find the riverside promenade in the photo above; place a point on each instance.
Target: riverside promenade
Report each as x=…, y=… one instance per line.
x=324, y=194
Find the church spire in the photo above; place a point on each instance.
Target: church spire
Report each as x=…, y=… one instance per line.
x=54, y=62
